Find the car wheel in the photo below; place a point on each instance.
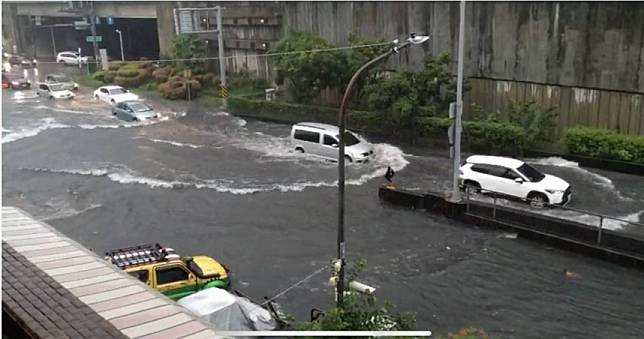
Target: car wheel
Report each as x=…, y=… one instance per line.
x=537, y=200
x=348, y=159
x=299, y=149
x=135, y=119
x=51, y=97
x=472, y=186
x=112, y=101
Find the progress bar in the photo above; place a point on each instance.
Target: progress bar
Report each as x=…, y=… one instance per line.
x=324, y=333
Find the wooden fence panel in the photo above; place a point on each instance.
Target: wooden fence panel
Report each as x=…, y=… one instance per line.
x=603, y=112
x=592, y=105
x=564, y=109
x=624, y=112
x=635, y=117
x=614, y=110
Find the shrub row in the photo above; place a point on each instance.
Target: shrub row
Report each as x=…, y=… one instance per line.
x=601, y=143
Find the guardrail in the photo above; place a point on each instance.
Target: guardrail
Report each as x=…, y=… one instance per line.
x=496, y=195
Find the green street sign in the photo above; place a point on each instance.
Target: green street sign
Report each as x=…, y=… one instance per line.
x=97, y=38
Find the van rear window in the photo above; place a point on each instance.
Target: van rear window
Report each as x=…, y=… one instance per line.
x=307, y=136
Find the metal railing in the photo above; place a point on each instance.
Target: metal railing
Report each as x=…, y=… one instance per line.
x=602, y=218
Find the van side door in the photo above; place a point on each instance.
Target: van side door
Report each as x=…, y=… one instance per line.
x=329, y=146
x=308, y=140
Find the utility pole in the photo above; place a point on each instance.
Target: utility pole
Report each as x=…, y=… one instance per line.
x=93, y=28
x=53, y=39
x=456, y=193
x=121, y=42
x=222, y=61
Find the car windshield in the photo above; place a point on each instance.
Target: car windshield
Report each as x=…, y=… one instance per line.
x=531, y=173
x=349, y=139
x=138, y=107
x=56, y=87
x=118, y=91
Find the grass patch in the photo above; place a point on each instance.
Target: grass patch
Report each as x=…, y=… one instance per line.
x=87, y=80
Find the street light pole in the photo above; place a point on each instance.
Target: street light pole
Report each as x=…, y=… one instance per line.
x=222, y=61
x=341, y=156
x=456, y=193
x=121, y=42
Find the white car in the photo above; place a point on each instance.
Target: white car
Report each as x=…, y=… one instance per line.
x=513, y=178
x=114, y=94
x=70, y=58
x=322, y=140
x=53, y=91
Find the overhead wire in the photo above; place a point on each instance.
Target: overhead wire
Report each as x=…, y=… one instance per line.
x=317, y=50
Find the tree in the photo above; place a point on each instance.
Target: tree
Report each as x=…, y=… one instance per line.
x=307, y=70
x=360, y=312
x=190, y=47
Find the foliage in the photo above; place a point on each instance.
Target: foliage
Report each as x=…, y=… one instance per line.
x=535, y=121
x=496, y=137
x=289, y=112
x=99, y=75
x=243, y=82
x=188, y=46
x=308, y=72
x=177, y=88
x=467, y=333
x=601, y=143
x=436, y=85
x=360, y=312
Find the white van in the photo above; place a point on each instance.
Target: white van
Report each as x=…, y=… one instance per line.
x=322, y=140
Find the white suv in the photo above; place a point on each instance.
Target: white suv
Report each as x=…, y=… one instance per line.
x=70, y=58
x=322, y=140
x=514, y=178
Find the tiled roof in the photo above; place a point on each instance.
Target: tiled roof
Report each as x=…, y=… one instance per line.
x=55, y=288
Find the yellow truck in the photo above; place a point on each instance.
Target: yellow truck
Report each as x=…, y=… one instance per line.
x=163, y=269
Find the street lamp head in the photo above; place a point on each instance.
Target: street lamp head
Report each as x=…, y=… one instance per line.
x=417, y=39
x=117, y=31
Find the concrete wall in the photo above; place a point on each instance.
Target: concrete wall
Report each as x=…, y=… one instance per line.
x=598, y=45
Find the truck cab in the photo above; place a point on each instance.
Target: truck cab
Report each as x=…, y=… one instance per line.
x=162, y=269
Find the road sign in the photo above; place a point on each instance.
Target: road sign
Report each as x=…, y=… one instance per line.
x=110, y=20
x=97, y=38
x=80, y=25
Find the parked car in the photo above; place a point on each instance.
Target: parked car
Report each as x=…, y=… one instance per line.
x=114, y=94
x=17, y=59
x=163, y=269
x=514, y=178
x=6, y=83
x=62, y=79
x=15, y=81
x=53, y=91
x=134, y=111
x=322, y=140
x=70, y=58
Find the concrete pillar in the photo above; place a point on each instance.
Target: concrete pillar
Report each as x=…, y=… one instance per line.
x=165, y=26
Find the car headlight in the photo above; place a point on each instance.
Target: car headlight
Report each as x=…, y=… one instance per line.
x=28, y=81
x=15, y=83
x=35, y=61
x=551, y=191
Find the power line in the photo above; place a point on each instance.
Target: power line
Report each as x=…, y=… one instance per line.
x=295, y=285
x=256, y=55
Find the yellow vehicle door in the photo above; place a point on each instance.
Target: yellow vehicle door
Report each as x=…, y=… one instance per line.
x=174, y=280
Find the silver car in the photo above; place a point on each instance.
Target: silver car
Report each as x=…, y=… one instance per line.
x=322, y=140
x=134, y=111
x=63, y=80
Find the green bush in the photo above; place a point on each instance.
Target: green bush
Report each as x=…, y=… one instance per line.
x=499, y=137
x=176, y=88
x=127, y=72
x=601, y=143
x=109, y=77
x=100, y=76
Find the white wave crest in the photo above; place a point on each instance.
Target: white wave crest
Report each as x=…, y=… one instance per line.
x=176, y=143
x=63, y=213
x=124, y=175
x=46, y=123
x=596, y=178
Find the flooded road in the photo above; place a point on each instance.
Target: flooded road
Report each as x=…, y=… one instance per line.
x=205, y=182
